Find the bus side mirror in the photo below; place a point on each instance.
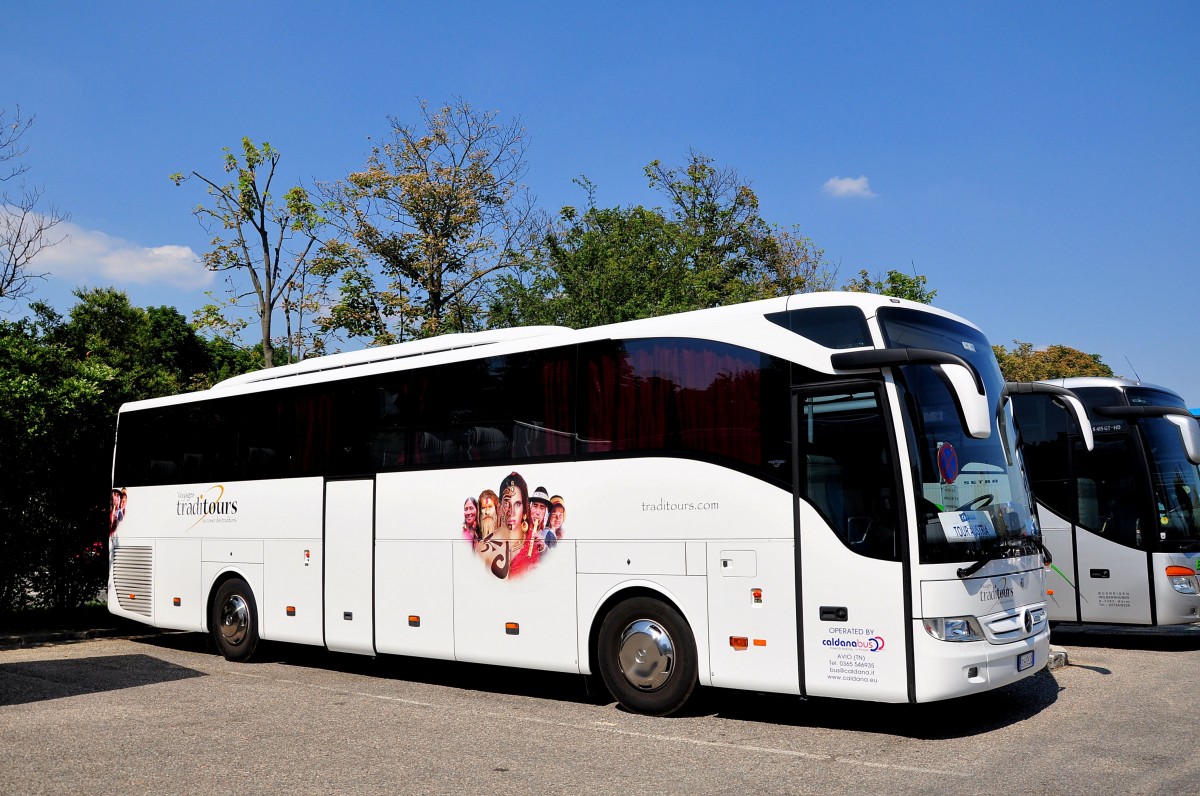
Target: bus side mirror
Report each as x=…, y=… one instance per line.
x=1189, y=431
x=965, y=385
x=1064, y=397
x=1081, y=419
x=972, y=403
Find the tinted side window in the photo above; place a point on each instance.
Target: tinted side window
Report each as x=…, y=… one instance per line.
x=512, y=407
x=685, y=396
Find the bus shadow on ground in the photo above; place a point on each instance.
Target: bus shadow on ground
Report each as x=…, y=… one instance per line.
x=1165, y=638
x=955, y=718
x=37, y=681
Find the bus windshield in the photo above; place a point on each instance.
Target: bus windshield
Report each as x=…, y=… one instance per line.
x=973, y=499
x=1174, y=480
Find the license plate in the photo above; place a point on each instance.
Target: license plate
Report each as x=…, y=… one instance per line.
x=1024, y=661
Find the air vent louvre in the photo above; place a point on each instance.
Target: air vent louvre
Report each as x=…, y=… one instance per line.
x=133, y=576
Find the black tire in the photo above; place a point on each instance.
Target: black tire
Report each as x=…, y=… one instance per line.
x=233, y=625
x=647, y=656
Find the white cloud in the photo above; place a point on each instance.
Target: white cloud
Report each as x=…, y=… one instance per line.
x=90, y=257
x=848, y=186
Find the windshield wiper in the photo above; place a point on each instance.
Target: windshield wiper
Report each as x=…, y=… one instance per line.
x=966, y=572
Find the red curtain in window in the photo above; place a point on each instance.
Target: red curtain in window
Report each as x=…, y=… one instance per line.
x=678, y=395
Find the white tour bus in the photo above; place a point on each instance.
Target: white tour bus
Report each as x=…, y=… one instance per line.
x=816, y=495
x=1120, y=518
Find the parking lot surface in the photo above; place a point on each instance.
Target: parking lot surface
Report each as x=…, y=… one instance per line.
x=163, y=714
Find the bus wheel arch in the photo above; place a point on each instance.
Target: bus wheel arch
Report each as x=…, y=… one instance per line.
x=645, y=652
x=233, y=619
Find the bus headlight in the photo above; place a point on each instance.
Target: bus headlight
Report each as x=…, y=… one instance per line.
x=1182, y=579
x=1184, y=584
x=954, y=628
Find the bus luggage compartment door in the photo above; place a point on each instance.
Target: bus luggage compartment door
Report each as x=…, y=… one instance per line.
x=349, y=548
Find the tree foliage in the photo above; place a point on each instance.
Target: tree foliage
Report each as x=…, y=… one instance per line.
x=708, y=246
x=438, y=210
x=264, y=239
x=26, y=228
x=61, y=384
x=895, y=283
x=1024, y=363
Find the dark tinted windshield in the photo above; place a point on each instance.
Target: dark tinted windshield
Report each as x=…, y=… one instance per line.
x=973, y=499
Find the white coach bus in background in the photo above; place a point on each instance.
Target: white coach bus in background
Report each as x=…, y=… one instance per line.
x=816, y=495
x=1121, y=519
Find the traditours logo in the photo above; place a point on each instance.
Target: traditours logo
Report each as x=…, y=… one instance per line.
x=206, y=505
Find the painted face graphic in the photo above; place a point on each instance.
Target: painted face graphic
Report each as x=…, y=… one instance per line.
x=470, y=514
x=512, y=511
x=557, y=515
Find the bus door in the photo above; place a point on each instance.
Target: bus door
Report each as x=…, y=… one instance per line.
x=1114, y=527
x=349, y=557
x=853, y=602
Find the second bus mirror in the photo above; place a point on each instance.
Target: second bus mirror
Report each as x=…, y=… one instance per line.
x=1189, y=430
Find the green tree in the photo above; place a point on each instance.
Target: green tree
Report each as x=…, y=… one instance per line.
x=604, y=266
x=436, y=213
x=710, y=246
x=1024, y=363
x=53, y=479
x=262, y=238
x=896, y=283
x=62, y=382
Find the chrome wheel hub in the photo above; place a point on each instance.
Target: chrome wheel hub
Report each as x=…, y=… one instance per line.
x=646, y=655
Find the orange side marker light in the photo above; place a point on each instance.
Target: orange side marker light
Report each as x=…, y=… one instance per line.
x=739, y=642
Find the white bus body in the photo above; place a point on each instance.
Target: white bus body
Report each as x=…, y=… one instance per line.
x=1121, y=519
x=815, y=495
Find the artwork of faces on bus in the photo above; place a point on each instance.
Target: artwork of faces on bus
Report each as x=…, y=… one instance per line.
x=116, y=512
x=511, y=528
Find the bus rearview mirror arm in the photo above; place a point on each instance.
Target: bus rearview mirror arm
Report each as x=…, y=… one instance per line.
x=1068, y=398
x=1182, y=419
x=964, y=382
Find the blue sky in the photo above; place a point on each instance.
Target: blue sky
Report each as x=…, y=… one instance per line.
x=1038, y=162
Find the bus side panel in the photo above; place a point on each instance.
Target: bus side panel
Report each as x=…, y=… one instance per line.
x=1113, y=583
x=291, y=599
x=860, y=656
x=527, y=620
x=177, y=576
x=349, y=551
x=414, y=605
x=752, y=596
x=1061, y=573
x=416, y=521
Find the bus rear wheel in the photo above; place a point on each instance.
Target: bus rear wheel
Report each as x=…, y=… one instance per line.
x=234, y=620
x=647, y=656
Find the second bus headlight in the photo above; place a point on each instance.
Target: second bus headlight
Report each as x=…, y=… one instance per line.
x=954, y=628
x=1183, y=579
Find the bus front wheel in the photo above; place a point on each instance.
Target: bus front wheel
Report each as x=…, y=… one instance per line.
x=234, y=621
x=647, y=656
